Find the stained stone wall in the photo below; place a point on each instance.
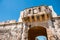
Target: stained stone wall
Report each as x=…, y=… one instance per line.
x=11, y=31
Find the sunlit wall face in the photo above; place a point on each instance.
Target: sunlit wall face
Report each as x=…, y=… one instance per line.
x=40, y=38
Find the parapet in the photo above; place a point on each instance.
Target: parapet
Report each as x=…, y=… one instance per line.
x=7, y=22
x=35, y=10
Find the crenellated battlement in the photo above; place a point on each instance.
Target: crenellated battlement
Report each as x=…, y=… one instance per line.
x=36, y=10
x=40, y=13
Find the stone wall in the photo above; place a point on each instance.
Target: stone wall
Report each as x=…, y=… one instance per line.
x=11, y=31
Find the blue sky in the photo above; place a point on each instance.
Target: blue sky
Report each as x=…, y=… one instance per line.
x=41, y=38
x=10, y=9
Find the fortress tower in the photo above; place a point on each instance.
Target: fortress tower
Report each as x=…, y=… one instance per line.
x=39, y=21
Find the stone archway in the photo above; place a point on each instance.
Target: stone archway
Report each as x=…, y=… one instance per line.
x=36, y=31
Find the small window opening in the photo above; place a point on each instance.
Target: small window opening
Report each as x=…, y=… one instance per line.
x=33, y=18
x=43, y=17
x=29, y=11
x=28, y=19
x=38, y=17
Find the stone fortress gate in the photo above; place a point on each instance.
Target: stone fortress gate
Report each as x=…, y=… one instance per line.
x=34, y=22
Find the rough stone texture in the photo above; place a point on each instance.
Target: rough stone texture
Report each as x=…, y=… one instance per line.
x=11, y=32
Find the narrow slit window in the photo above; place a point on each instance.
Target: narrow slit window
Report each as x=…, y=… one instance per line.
x=29, y=11
x=28, y=19
x=33, y=18
x=43, y=17
x=38, y=17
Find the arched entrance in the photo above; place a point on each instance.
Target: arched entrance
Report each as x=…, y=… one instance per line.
x=36, y=31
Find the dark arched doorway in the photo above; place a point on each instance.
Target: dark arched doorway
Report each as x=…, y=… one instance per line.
x=36, y=31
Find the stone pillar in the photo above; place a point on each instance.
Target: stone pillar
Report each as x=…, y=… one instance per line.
x=46, y=17
x=35, y=18
x=40, y=18
x=30, y=19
